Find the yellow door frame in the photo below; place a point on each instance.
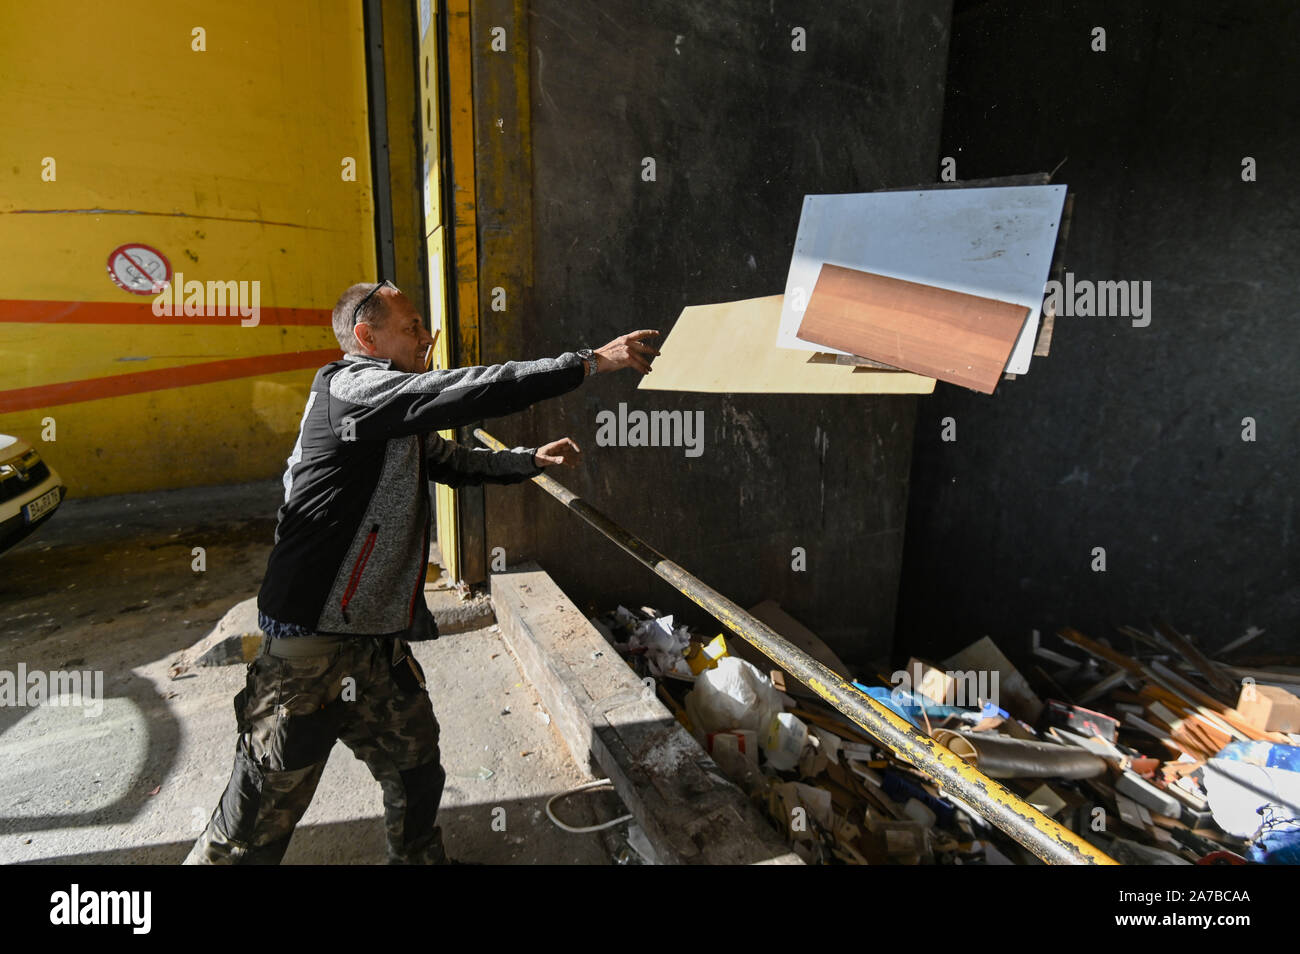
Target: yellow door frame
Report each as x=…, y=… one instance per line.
x=449, y=228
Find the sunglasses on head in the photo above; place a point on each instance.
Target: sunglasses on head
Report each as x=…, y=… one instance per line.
x=361, y=304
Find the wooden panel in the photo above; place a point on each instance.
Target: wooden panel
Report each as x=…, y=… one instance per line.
x=955, y=337
x=728, y=348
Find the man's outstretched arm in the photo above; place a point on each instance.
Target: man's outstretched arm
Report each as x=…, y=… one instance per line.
x=457, y=466
x=371, y=402
x=380, y=403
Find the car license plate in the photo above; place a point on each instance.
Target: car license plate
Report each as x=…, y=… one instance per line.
x=41, y=506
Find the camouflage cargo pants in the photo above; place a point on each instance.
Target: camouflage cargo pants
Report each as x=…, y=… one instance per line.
x=368, y=693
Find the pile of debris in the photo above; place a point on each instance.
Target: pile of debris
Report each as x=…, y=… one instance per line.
x=1156, y=756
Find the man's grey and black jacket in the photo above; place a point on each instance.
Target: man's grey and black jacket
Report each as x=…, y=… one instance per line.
x=352, y=539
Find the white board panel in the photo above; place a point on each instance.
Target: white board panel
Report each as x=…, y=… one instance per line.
x=992, y=242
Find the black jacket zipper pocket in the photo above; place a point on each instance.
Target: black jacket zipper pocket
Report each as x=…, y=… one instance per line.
x=358, y=568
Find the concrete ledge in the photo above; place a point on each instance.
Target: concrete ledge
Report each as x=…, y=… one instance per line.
x=235, y=639
x=690, y=812
x=456, y=615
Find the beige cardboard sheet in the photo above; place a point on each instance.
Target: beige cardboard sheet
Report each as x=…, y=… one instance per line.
x=730, y=348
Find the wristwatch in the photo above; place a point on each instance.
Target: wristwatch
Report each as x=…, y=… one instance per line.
x=588, y=360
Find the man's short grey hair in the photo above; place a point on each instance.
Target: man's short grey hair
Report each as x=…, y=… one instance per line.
x=374, y=311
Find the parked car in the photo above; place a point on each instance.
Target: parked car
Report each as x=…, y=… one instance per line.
x=30, y=490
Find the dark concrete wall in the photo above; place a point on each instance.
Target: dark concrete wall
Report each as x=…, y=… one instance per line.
x=1127, y=438
x=741, y=128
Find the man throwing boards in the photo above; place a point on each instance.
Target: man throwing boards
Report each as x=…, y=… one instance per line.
x=343, y=591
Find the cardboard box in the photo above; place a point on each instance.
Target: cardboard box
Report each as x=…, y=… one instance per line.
x=931, y=681
x=1269, y=708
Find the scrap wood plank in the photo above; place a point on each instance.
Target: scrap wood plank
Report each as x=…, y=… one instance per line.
x=1112, y=656
x=1225, y=720
x=1184, y=708
x=1141, y=637
x=1057, y=690
x=1208, y=670
x=1204, y=727
x=1200, y=735
x=1104, y=686
x=1267, y=677
x=1168, y=685
x=955, y=337
x=1234, y=646
x=1196, y=728
x=1042, y=652
x=1209, y=706
x=1173, y=682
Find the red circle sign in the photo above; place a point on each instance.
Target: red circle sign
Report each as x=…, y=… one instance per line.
x=138, y=268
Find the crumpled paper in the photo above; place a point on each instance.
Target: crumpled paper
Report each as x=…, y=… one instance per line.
x=664, y=645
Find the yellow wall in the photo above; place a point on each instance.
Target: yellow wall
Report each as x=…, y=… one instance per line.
x=228, y=161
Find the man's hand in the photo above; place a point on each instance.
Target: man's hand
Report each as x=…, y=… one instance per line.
x=563, y=452
x=628, y=351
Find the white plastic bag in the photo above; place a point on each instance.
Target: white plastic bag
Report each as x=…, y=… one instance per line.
x=733, y=695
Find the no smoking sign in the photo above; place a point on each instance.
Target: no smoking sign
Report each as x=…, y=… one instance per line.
x=138, y=268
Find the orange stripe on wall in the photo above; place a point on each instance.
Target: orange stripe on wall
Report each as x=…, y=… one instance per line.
x=96, y=389
x=141, y=313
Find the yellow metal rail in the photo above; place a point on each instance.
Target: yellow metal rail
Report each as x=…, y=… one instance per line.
x=1049, y=840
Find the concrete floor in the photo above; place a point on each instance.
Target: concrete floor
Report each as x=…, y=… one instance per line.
x=107, y=585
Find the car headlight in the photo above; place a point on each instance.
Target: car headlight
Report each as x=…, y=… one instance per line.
x=20, y=466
